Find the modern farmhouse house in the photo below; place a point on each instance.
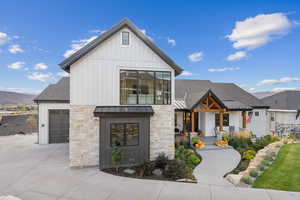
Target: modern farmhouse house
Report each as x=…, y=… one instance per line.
x=122, y=91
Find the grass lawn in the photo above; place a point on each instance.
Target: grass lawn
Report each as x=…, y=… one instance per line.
x=284, y=173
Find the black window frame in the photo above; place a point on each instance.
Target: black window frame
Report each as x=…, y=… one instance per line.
x=256, y=113
x=224, y=119
x=169, y=97
x=122, y=40
x=124, y=134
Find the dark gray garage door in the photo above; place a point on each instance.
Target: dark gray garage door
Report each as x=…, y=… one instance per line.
x=58, y=126
x=131, y=134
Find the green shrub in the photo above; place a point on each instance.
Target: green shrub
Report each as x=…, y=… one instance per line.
x=247, y=179
x=175, y=169
x=253, y=173
x=116, y=156
x=264, y=141
x=249, y=154
x=148, y=168
x=195, y=140
x=161, y=161
x=189, y=156
x=192, y=161
x=240, y=143
x=273, y=154
x=261, y=167
x=266, y=163
x=269, y=158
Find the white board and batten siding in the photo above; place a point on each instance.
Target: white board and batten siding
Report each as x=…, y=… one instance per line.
x=258, y=124
x=44, y=119
x=95, y=78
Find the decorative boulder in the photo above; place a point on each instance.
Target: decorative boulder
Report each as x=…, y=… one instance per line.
x=234, y=178
x=129, y=171
x=157, y=172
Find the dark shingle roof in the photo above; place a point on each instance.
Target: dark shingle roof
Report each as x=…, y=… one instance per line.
x=59, y=92
x=286, y=100
x=65, y=65
x=232, y=96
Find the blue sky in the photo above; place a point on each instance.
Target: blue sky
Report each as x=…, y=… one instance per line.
x=255, y=44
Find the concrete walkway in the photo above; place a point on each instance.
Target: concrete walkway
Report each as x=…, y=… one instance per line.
x=216, y=162
x=40, y=172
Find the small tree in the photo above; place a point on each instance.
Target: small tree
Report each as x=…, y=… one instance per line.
x=116, y=157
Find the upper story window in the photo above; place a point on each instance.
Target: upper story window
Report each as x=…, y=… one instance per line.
x=125, y=38
x=145, y=87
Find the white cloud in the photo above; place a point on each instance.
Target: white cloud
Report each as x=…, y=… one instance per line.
x=172, y=42
x=63, y=74
x=237, y=56
x=40, y=66
x=38, y=76
x=4, y=38
x=196, y=57
x=256, y=31
x=78, y=44
x=284, y=89
x=277, y=81
x=224, y=69
x=15, y=48
x=186, y=73
x=145, y=33
x=16, y=65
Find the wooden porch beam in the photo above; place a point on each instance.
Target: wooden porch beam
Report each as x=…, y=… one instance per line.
x=193, y=121
x=244, y=119
x=221, y=121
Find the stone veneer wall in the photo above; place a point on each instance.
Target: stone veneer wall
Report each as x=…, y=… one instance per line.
x=84, y=136
x=162, y=136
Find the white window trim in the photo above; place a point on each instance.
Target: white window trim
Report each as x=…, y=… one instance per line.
x=129, y=36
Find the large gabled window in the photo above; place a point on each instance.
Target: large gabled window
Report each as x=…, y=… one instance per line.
x=145, y=87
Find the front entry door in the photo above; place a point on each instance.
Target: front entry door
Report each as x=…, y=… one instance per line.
x=131, y=135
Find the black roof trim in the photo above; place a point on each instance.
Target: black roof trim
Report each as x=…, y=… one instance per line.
x=128, y=110
x=65, y=64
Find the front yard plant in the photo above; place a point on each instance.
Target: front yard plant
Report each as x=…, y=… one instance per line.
x=197, y=143
x=248, y=145
x=162, y=168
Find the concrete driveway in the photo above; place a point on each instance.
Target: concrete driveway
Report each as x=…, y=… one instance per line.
x=40, y=172
x=216, y=162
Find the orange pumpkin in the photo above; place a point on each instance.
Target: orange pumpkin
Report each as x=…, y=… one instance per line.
x=197, y=145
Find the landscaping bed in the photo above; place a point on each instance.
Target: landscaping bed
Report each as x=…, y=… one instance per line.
x=179, y=169
x=284, y=173
x=247, y=145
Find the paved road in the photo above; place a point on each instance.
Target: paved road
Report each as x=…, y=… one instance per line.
x=215, y=164
x=40, y=172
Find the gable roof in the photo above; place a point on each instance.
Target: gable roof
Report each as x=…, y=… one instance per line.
x=59, y=92
x=232, y=96
x=65, y=64
x=285, y=100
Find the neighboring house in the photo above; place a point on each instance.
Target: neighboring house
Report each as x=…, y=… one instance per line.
x=201, y=105
x=283, y=109
x=121, y=91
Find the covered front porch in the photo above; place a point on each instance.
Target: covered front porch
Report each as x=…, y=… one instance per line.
x=209, y=117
